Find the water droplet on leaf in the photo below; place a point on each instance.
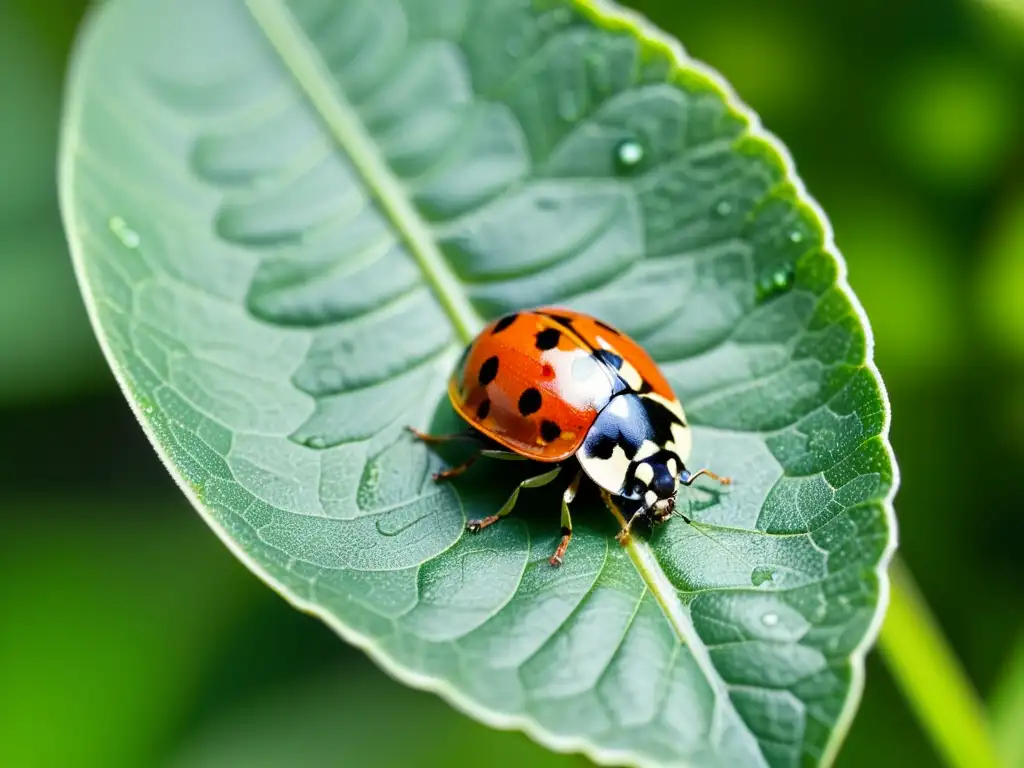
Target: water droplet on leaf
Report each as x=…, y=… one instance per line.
x=796, y=236
x=315, y=442
x=770, y=619
x=628, y=155
x=129, y=237
x=367, y=495
x=723, y=208
x=779, y=281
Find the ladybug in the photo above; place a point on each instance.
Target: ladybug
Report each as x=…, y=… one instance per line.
x=550, y=385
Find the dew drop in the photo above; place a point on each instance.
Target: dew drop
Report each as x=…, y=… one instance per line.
x=779, y=281
x=770, y=619
x=724, y=208
x=367, y=495
x=628, y=155
x=796, y=236
x=129, y=237
x=760, y=575
x=315, y=442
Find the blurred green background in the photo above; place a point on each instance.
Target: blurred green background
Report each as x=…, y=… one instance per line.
x=129, y=636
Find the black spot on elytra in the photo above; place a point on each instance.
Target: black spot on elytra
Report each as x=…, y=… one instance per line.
x=504, y=323
x=549, y=431
x=483, y=409
x=609, y=358
x=548, y=338
x=566, y=321
x=529, y=401
x=488, y=370
x=607, y=327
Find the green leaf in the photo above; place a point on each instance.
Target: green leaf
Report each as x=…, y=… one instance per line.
x=288, y=218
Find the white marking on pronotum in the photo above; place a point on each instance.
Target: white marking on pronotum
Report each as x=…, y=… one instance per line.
x=607, y=473
x=673, y=405
x=682, y=439
x=647, y=449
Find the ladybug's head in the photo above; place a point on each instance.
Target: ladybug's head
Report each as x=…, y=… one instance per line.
x=654, y=482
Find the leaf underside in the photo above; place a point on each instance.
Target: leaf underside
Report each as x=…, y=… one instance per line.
x=288, y=218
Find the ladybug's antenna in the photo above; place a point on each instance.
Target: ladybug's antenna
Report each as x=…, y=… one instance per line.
x=686, y=478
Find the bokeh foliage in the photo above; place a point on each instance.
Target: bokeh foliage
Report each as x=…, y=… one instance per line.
x=927, y=205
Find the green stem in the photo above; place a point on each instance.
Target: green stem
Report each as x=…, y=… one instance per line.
x=1006, y=706
x=932, y=679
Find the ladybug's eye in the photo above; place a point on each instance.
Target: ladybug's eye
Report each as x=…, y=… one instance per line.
x=637, y=489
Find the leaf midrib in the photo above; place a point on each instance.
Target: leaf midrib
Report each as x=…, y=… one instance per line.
x=312, y=76
x=315, y=80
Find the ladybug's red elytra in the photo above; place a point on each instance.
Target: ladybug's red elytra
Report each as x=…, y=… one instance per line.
x=551, y=384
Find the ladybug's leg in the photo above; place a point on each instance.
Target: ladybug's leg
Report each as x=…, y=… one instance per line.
x=447, y=474
x=473, y=526
x=623, y=535
x=686, y=478
x=627, y=525
x=567, y=497
x=467, y=435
